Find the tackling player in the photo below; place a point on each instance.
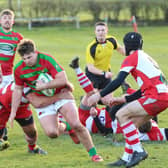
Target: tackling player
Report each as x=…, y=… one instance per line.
x=23, y=117
x=151, y=98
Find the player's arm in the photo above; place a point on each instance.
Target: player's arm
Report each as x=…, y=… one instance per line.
x=108, y=89
x=16, y=99
x=42, y=101
x=103, y=130
x=121, y=50
x=114, y=84
x=59, y=81
x=134, y=96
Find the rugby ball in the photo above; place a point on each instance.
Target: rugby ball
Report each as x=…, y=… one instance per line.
x=45, y=77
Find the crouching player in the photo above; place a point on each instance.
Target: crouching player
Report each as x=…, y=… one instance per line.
x=23, y=117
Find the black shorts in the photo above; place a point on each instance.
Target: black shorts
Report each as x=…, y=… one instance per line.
x=99, y=81
x=25, y=121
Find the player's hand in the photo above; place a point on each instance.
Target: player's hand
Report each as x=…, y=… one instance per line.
x=108, y=74
x=70, y=86
x=93, y=99
x=11, y=119
x=116, y=100
x=93, y=112
x=40, y=85
x=105, y=99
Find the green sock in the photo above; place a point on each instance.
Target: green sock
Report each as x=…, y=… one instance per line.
x=68, y=127
x=92, y=152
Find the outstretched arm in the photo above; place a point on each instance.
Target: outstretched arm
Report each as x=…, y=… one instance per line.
x=16, y=99
x=108, y=89
x=42, y=101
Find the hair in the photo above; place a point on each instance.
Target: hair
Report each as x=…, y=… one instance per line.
x=146, y=127
x=100, y=24
x=7, y=12
x=26, y=46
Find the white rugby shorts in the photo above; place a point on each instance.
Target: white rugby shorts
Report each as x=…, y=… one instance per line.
x=6, y=80
x=52, y=109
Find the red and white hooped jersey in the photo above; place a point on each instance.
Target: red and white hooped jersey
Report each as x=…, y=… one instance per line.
x=88, y=121
x=104, y=117
x=6, y=97
x=146, y=73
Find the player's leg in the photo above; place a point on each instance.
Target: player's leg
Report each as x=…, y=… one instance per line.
x=4, y=114
x=4, y=144
x=125, y=116
x=49, y=121
x=29, y=128
x=126, y=157
x=69, y=111
x=83, y=80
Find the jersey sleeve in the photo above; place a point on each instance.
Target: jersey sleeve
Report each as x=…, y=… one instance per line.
x=129, y=63
x=89, y=57
x=54, y=67
x=17, y=78
x=20, y=37
x=114, y=42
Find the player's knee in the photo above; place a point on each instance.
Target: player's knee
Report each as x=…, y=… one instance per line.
x=77, y=126
x=52, y=133
x=118, y=116
x=145, y=127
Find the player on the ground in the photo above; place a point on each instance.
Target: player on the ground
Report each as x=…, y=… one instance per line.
x=9, y=40
x=27, y=72
x=103, y=120
x=152, y=97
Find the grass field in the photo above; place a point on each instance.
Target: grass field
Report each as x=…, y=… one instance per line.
x=64, y=43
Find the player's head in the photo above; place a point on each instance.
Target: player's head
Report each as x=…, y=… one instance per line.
x=27, y=50
x=146, y=127
x=101, y=31
x=132, y=41
x=7, y=19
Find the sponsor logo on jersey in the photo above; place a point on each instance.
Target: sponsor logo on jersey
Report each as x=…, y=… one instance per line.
x=7, y=49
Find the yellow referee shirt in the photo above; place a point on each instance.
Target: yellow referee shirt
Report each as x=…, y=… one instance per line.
x=99, y=54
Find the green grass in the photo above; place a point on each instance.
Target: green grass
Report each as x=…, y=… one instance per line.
x=64, y=43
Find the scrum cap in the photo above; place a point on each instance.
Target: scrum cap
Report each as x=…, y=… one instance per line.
x=132, y=41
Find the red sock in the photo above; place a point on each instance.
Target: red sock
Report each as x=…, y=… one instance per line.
x=31, y=147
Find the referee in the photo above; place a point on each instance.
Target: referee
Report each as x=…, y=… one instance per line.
x=98, y=56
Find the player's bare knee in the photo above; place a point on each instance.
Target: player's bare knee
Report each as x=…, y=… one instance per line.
x=77, y=126
x=52, y=133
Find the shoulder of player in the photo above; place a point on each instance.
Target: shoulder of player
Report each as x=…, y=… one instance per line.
x=92, y=43
x=111, y=38
x=15, y=33
x=18, y=65
x=113, y=41
x=45, y=56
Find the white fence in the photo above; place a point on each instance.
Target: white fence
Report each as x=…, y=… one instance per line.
x=29, y=21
